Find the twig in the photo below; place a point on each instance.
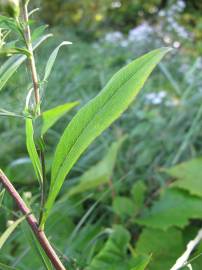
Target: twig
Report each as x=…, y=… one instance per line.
x=32, y=222
x=182, y=260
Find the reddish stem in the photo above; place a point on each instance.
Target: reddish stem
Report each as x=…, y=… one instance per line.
x=32, y=222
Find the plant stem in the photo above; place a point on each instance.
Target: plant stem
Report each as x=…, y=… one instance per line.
x=32, y=64
x=33, y=70
x=32, y=222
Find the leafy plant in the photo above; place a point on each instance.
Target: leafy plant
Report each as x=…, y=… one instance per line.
x=88, y=123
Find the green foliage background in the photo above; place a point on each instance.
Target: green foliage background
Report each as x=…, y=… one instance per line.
x=118, y=207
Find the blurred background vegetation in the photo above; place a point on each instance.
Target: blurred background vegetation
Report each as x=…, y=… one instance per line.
x=163, y=126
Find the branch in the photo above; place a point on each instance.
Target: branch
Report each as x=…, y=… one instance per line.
x=32, y=222
x=182, y=260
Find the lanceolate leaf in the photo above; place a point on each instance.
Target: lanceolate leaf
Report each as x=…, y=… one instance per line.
x=31, y=148
x=97, y=115
x=8, y=232
x=52, y=59
x=13, y=63
x=50, y=117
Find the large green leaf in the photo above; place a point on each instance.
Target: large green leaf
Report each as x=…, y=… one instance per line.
x=98, y=174
x=97, y=115
x=13, y=63
x=31, y=148
x=8, y=232
x=113, y=254
x=50, y=117
x=188, y=175
x=165, y=247
x=174, y=208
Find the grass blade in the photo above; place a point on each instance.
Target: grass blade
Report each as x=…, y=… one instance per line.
x=9, y=231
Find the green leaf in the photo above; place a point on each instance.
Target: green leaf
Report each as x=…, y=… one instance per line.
x=2, y=196
x=15, y=50
x=165, y=247
x=50, y=117
x=114, y=254
x=38, y=32
x=13, y=63
x=188, y=175
x=138, y=194
x=174, y=208
x=141, y=262
x=36, y=247
x=52, y=59
x=8, y=232
x=97, y=115
x=6, y=267
x=31, y=148
x=123, y=206
x=100, y=173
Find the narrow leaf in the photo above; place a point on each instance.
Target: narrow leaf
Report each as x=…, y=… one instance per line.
x=2, y=196
x=52, y=59
x=50, y=117
x=98, y=115
x=9, y=231
x=13, y=63
x=31, y=148
x=6, y=267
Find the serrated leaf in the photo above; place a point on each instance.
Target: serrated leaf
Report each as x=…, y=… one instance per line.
x=8, y=232
x=31, y=148
x=113, y=254
x=174, y=208
x=50, y=117
x=165, y=247
x=97, y=115
x=13, y=63
x=188, y=175
x=100, y=173
x=52, y=59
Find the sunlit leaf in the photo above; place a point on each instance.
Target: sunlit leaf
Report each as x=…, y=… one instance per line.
x=97, y=115
x=52, y=59
x=31, y=148
x=50, y=117
x=188, y=175
x=8, y=232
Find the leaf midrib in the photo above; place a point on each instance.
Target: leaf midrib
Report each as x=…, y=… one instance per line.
x=114, y=93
